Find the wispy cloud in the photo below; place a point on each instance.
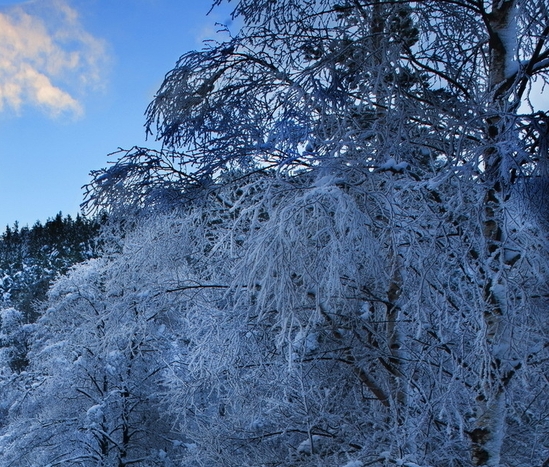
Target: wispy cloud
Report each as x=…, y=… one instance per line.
x=46, y=58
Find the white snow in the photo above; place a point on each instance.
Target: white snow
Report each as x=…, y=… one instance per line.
x=508, y=36
x=306, y=341
x=393, y=165
x=95, y=411
x=305, y=446
x=354, y=464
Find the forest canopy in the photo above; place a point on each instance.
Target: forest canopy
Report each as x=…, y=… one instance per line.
x=338, y=258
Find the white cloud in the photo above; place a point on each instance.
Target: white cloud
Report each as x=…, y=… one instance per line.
x=46, y=58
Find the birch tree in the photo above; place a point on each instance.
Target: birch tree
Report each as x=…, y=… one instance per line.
x=362, y=171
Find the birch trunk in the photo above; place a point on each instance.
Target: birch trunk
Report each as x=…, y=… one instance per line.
x=488, y=433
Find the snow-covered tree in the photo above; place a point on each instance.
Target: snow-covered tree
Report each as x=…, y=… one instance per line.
x=335, y=321
x=31, y=258
x=92, y=393
x=313, y=80
x=369, y=283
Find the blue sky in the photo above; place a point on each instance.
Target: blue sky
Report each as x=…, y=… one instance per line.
x=75, y=79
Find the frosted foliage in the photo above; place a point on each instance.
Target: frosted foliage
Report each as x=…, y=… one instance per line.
x=94, y=387
x=299, y=344
x=322, y=237
x=10, y=319
x=290, y=321
x=333, y=262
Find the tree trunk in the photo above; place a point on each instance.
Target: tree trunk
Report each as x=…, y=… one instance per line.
x=488, y=433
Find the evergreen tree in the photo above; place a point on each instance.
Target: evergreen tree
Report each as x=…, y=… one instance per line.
x=31, y=258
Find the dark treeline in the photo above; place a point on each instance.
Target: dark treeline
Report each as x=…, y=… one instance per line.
x=31, y=257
